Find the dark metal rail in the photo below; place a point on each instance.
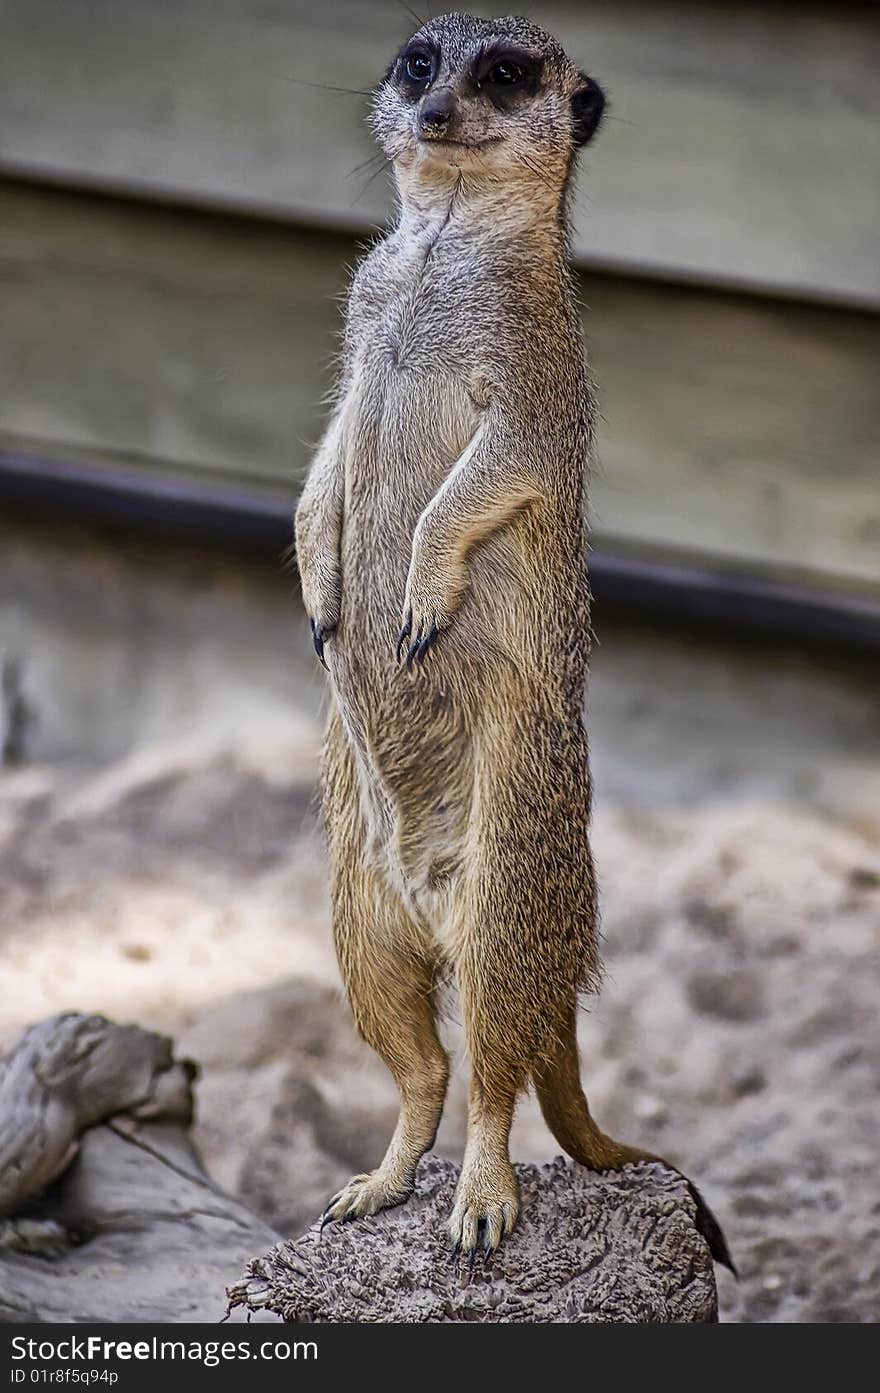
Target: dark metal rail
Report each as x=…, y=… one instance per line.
x=667, y=590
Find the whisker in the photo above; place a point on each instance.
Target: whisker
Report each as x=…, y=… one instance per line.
x=325, y=87
x=365, y=164
x=538, y=173
x=411, y=12
x=386, y=164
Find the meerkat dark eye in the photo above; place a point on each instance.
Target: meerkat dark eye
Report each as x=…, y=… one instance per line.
x=418, y=67
x=506, y=76
x=506, y=73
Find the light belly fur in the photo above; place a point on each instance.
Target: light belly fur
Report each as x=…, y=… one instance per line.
x=410, y=740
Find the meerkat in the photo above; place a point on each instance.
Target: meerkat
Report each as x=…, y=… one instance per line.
x=441, y=542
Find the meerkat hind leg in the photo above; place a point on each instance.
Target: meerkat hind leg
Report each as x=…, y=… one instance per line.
x=487, y=1197
x=487, y=1203
x=392, y=997
x=567, y=1114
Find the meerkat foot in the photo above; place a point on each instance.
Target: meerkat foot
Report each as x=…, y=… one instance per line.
x=486, y=1209
x=365, y=1195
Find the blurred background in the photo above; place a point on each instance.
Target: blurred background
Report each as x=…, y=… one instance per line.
x=182, y=195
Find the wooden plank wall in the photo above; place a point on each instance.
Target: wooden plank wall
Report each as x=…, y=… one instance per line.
x=739, y=426
x=727, y=232
x=742, y=145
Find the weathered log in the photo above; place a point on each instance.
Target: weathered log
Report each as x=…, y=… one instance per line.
x=66, y=1074
x=132, y=1229
x=619, y=1247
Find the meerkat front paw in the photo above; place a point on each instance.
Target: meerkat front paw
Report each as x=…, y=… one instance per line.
x=366, y=1194
x=322, y=595
x=320, y=573
x=432, y=596
x=486, y=1209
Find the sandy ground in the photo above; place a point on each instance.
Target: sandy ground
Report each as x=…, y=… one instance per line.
x=160, y=861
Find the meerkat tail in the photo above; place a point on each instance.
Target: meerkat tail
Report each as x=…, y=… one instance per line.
x=567, y=1114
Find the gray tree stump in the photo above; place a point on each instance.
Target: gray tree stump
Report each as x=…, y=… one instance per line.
x=620, y=1247
x=110, y=1216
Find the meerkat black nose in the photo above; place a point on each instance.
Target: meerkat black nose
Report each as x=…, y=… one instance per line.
x=436, y=111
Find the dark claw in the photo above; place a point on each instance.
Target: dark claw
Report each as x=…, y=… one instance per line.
x=483, y=1231
x=404, y=634
x=426, y=643
x=319, y=634
x=413, y=650
x=455, y=1252
x=472, y=1256
x=327, y=1217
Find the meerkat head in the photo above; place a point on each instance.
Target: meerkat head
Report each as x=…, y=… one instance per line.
x=497, y=98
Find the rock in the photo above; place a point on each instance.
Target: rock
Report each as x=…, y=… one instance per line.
x=620, y=1247
x=110, y=1214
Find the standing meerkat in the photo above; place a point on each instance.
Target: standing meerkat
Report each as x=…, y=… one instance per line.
x=441, y=538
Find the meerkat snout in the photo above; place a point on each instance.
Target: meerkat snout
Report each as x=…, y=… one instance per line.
x=436, y=112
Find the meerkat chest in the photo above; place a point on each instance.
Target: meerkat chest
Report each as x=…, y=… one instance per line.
x=411, y=399
x=418, y=335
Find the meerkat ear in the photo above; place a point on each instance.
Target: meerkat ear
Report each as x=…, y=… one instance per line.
x=587, y=106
